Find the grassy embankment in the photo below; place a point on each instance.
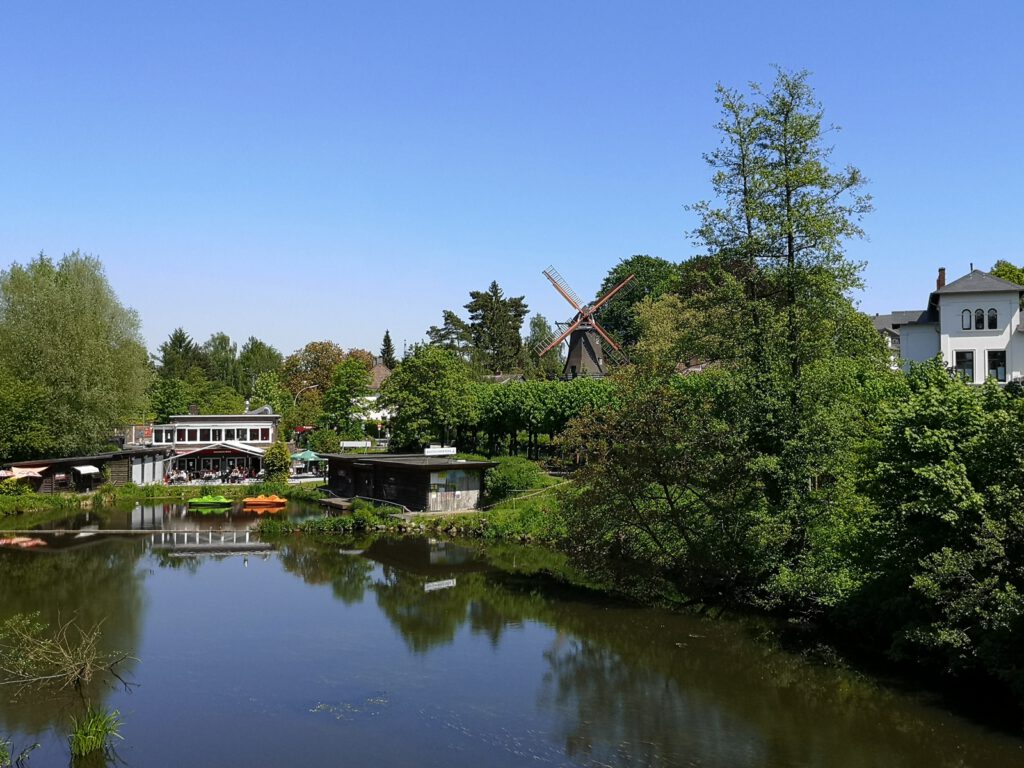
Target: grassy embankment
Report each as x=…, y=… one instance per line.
x=33, y=510
x=526, y=516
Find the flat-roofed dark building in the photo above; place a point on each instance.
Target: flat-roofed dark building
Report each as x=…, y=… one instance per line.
x=420, y=483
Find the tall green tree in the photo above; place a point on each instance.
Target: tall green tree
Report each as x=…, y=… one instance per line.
x=221, y=358
x=387, y=351
x=454, y=333
x=496, y=323
x=550, y=365
x=653, y=276
x=178, y=355
x=311, y=368
x=268, y=390
x=76, y=352
x=344, y=402
x=431, y=394
x=257, y=357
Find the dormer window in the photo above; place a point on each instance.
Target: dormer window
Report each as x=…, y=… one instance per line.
x=979, y=319
x=965, y=320
x=993, y=319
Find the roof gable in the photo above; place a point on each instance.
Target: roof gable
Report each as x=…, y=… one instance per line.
x=977, y=281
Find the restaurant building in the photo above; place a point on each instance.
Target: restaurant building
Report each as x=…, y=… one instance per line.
x=219, y=443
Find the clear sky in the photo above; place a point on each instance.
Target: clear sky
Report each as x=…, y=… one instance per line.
x=311, y=170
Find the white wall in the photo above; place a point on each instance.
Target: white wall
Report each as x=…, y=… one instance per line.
x=1003, y=337
x=918, y=343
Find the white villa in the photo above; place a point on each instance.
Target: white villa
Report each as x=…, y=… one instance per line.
x=973, y=322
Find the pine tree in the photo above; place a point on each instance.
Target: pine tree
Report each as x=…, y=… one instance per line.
x=387, y=351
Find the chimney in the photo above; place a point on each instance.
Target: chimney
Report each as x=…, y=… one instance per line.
x=941, y=279
x=193, y=409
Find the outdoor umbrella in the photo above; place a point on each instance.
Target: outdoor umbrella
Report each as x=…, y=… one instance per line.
x=307, y=456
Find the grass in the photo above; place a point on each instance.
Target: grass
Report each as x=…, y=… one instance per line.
x=34, y=509
x=94, y=732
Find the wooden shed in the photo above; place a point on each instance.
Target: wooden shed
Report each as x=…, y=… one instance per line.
x=142, y=466
x=415, y=481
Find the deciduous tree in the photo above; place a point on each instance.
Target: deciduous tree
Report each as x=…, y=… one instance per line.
x=76, y=351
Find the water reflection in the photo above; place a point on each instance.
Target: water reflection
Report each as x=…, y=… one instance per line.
x=474, y=655
x=91, y=580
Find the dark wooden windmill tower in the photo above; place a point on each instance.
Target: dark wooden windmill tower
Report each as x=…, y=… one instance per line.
x=589, y=345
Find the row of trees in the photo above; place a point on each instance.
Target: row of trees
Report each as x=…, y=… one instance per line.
x=435, y=395
x=797, y=471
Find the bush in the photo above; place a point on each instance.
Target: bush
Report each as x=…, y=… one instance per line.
x=12, y=486
x=512, y=474
x=277, y=461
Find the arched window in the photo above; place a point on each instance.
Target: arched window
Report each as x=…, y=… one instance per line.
x=965, y=320
x=993, y=319
x=979, y=319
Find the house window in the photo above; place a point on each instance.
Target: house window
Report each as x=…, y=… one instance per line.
x=964, y=365
x=265, y=435
x=193, y=435
x=979, y=319
x=158, y=435
x=965, y=320
x=997, y=364
x=204, y=435
x=181, y=435
x=216, y=435
x=229, y=434
x=993, y=319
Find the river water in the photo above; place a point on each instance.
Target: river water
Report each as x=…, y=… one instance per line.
x=411, y=652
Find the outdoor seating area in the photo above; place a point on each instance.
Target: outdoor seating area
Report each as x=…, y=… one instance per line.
x=236, y=475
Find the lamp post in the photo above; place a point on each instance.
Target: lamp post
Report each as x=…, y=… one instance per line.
x=295, y=400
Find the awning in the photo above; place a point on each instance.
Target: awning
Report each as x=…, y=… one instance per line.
x=27, y=471
x=226, y=447
x=86, y=469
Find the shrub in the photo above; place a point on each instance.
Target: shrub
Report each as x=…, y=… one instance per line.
x=12, y=486
x=512, y=474
x=276, y=463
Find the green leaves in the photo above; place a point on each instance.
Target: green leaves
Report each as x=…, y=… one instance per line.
x=72, y=363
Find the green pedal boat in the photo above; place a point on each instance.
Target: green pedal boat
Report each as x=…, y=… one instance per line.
x=210, y=501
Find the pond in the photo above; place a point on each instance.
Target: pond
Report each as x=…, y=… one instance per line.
x=412, y=652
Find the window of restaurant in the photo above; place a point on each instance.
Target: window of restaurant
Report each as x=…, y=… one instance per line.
x=254, y=435
x=216, y=435
x=265, y=435
x=158, y=436
x=204, y=435
x=229, y=434
x=193, y=435
x=181, y=435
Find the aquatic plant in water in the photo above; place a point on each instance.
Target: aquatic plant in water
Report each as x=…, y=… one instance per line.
x=94, y=732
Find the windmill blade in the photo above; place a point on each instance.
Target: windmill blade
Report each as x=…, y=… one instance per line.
x=604, y=335
x=611, y=293
x=562, y=337
x=563, y=288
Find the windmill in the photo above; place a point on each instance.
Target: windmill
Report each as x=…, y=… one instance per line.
x=589, y=344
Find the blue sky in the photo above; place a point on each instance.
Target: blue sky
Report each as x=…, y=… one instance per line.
x=313, y=170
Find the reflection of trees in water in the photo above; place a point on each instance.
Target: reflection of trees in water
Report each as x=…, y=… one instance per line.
x=96, y=583
x=615, y=713
x=424, y=619
x=317, y=563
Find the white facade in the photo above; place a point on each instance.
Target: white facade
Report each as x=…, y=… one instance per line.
x=975, y=324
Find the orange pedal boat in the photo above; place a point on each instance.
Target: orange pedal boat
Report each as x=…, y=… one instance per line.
x=264, y=501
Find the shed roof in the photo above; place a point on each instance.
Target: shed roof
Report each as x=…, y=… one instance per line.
x=410, y=460
x=127, y=452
